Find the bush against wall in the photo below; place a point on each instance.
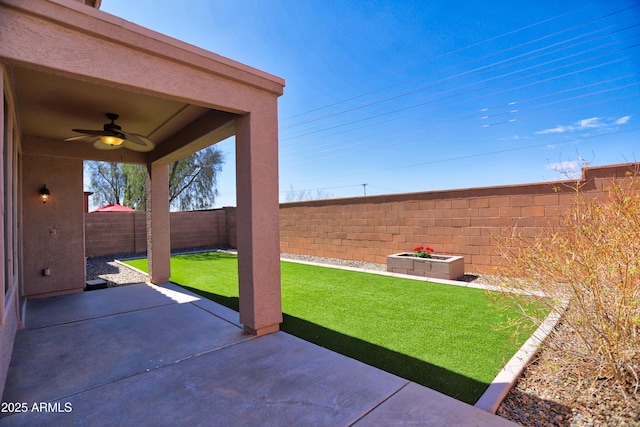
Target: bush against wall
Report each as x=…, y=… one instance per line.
x=590, y=257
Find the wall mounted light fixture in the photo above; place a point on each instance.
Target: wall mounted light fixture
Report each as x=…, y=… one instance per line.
x=44, y=194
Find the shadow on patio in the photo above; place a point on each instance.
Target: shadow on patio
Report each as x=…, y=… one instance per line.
x=424, y=373
x=148, y=355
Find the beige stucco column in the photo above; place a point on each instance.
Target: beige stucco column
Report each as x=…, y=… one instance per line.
x=258, y=220
x=158, y=236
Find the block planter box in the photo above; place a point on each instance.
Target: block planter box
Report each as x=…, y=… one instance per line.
x=438, y=266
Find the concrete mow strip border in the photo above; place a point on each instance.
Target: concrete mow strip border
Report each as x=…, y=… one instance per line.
x=508, y=375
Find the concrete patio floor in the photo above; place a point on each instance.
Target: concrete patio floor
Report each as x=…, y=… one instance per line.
x=148, y=355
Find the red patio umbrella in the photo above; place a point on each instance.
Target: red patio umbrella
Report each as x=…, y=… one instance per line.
x=113, y=208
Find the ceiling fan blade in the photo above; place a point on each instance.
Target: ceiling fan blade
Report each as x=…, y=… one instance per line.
x=102, y=146
x=74, y=138
x=137, y=139
x=137, y=142
x=91, y=132
x=136, y=147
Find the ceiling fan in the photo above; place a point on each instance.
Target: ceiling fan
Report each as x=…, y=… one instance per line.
x=112, y=137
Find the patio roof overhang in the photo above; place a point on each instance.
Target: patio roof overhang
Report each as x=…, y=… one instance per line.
x=71, y=64
x=66, y=64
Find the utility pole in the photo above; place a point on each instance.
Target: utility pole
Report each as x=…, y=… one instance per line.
x=364, y=188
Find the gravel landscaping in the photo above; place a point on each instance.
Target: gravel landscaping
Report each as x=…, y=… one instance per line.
x=551, y=392
x=114, y=273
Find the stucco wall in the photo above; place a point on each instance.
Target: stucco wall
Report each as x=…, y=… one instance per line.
x=7, y=336
x=457, y=222
x=53, y=234
x=9, y=218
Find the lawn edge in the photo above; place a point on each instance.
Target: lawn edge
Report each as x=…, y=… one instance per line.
x=511, y=372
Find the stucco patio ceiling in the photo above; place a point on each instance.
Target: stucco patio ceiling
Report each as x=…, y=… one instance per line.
x=49, y=106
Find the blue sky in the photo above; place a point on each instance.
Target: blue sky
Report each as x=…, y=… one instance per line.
x=411, y=96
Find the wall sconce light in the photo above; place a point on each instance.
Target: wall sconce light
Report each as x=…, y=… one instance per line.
x=44, y=194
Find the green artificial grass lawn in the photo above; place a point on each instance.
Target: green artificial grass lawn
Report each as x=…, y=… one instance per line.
x=441, y=336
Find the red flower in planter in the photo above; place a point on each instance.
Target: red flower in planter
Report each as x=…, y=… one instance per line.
x=422, y=252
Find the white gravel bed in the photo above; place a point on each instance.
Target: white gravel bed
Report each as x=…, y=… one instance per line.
x=335, y=261
x=115, y=273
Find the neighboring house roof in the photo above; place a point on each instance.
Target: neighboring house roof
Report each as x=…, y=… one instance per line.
x=113, y=208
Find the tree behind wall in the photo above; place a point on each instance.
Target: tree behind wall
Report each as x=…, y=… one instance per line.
x=108, y=180
x=192, y=182
x=302, y=195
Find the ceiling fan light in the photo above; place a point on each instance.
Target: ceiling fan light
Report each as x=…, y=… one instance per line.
x=111, y=140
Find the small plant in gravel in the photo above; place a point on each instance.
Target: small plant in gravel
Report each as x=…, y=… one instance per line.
x=590, y=258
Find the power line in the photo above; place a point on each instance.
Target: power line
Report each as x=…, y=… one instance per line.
x=478, y=89
x=440, y=56
x=471, y=46
x=502, y=79
x=475, y=90
x=474, y=111
x=462, y=129
x=322, y=189
x=520, y=102
x=490, y=153
x=494, y=65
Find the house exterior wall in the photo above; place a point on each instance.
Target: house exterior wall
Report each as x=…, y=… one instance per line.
x=10, y=257
x=53, y=236
x=7, y=336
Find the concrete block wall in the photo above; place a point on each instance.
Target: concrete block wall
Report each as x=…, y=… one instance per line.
x=109, y=233
x=230, y=216
x=114, y=232
x=457, y=222
x=201, y=228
